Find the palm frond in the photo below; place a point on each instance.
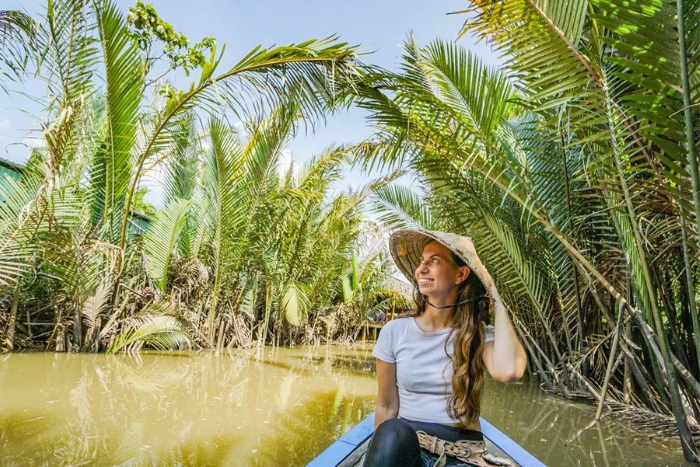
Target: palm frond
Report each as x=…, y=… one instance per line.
x=182, y=164
x=16, y=33
x=123, y=88
x=306, y=74
x=162, y=239
x=294, y=303
x=542, y=50
x=94, y=309
x=157, y=331
x=21, y=218
x=400, y=207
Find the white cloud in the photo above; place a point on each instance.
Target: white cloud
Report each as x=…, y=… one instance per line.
x=287, y=159
x=5, y=123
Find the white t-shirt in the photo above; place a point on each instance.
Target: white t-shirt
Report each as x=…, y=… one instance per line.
x=423, y=369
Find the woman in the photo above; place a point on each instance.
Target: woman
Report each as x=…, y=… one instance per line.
x=430, y=366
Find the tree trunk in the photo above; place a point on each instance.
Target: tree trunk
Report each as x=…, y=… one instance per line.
x=10, y=336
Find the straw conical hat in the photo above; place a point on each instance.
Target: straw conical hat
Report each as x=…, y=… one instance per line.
x=406, y=247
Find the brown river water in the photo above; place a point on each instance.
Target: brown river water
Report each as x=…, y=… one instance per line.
x=274, y=407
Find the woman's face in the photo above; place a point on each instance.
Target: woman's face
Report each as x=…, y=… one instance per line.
x=437, y=275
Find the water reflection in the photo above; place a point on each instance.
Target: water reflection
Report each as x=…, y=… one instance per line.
x=275, y=407
x=279, y=408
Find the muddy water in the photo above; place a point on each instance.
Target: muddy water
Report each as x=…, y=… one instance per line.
x=271, y=408
x=562, y=433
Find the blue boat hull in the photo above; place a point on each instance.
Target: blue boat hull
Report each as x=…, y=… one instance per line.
x=351, y=441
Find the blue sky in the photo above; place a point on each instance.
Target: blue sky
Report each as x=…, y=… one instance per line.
x=378, y=26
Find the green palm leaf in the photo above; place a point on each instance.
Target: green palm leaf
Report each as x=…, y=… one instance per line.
x=294, y=303
x=16, y=32
x=308, y=74
x=162, y=239
x=123, y=88
x=158, y=331
x=582, y=173
x=21, y=217
x=94, y=309
x=401, y=207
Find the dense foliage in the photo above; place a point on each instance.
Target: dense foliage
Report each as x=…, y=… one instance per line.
x=575, y=169
x=238, y=253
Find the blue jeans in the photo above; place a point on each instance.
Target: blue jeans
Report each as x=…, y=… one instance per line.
x=429, y=460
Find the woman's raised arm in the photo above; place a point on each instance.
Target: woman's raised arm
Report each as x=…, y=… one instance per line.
x=505, y=357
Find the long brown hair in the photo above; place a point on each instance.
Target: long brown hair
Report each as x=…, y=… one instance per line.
x=467, y=362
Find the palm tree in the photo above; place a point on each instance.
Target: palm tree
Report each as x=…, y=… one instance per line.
x=275, y=246
x=640, y=141
x=569, y=184
x=71, y=221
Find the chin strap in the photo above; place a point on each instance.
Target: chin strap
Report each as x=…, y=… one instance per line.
x=463, y=302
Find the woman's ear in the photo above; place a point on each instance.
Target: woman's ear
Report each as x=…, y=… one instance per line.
x=463, y=274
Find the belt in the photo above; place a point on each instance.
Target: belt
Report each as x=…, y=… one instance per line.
x=472, y=453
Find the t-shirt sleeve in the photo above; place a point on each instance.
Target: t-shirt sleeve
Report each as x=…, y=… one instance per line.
x=384, y=348
x=488, y=333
